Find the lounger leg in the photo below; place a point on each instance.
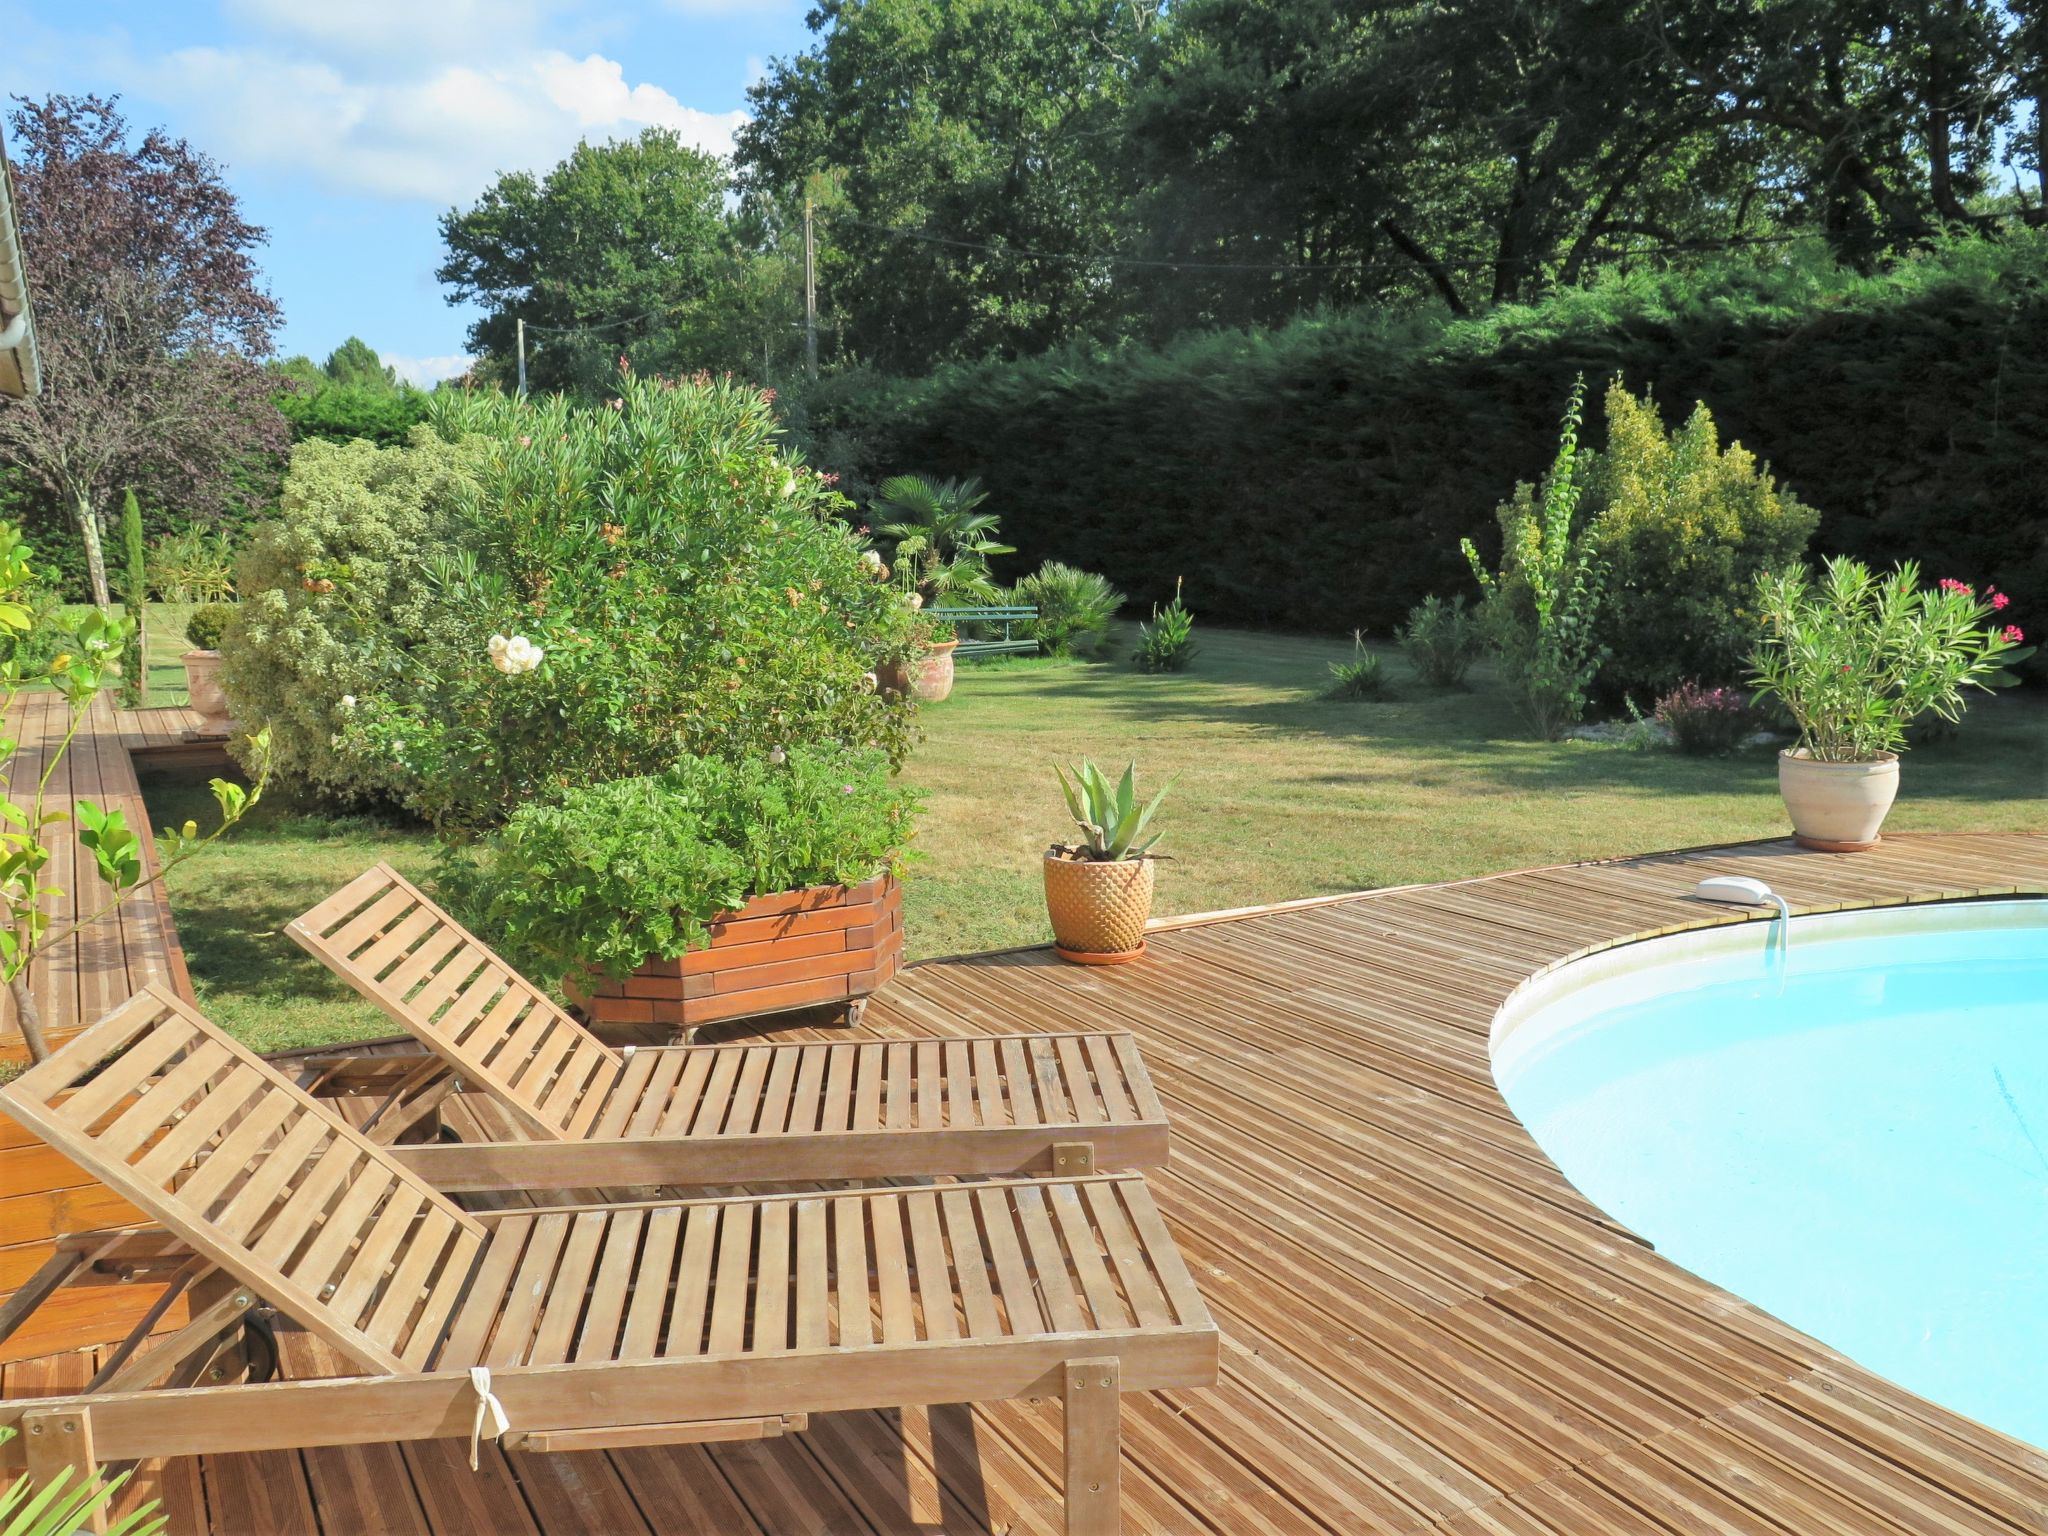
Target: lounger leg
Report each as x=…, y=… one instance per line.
x=53, y=1441
x=1094, y=1405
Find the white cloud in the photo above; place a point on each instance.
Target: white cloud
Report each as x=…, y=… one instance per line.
x=437, y=137
x=426, y=372
x=373, y=32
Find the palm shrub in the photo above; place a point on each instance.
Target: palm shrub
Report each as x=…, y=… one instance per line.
x=943, y=540
x=1683, y=528
x=625, y=586
x=1074, y=608
x=1441, y=641
x=68, y=1506
x=1540, y=607
x=1855, y=658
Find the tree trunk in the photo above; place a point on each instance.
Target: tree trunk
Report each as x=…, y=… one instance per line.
x=95, y=557
x=27, y=1019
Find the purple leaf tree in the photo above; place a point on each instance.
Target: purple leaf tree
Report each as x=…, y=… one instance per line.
x=149, y=316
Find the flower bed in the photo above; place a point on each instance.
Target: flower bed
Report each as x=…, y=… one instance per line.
x=798, y=949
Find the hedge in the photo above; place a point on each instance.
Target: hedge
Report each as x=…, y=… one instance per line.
x=1320, y=476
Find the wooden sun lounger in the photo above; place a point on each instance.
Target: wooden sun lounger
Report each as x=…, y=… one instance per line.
x=646, y=1324
x=596, y=1117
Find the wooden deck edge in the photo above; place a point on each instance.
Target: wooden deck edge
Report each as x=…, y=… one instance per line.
x=1337, y=898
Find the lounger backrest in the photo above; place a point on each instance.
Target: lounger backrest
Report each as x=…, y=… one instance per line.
x=223, y=1150
x=384, y=937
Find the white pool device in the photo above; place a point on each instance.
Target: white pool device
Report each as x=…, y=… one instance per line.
x=1740, y=891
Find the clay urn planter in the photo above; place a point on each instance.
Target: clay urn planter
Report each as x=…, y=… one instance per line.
x=1837, y=807
x=209, y=698
x=928, y=679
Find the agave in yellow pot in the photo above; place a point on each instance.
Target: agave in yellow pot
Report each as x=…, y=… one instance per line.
x=1098, y=891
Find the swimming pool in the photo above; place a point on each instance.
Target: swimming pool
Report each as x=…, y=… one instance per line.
x=1850, y=1131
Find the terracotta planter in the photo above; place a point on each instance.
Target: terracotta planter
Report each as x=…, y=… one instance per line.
x=798, y=949
x=1098, y=910
x=209, y=699
x=1837, y=807
x=928, y=679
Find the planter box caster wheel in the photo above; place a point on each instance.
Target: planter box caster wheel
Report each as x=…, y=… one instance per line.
x=856, y=1011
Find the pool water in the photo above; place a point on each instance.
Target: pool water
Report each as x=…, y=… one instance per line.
x=1850, y=1132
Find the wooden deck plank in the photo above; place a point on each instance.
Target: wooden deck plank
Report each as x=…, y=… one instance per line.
x=1426, y=1329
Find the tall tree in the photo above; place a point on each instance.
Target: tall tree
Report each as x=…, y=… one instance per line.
x=149, y=314
x=973, y=148
x=355, y=364
x=597, y=257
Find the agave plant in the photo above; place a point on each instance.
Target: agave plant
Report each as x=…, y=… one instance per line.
x=943, y=543
x=1110, y=814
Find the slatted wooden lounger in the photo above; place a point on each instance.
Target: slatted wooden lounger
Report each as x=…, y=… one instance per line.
x=597, y=1117
x=641, y=1324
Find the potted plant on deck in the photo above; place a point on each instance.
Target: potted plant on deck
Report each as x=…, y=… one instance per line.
x=209, y=621
x=1098, y=891
x=714, y=890
x=1855, y=659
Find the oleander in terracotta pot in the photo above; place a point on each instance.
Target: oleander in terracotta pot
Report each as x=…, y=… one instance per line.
x=1855, y=659
x=1098, y=891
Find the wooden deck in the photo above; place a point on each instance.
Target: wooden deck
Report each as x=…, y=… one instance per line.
x=1425, y=1327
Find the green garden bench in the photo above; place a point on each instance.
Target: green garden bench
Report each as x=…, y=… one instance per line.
x=984, y=621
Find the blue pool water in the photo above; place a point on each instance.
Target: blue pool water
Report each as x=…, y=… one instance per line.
x=1852, y=1134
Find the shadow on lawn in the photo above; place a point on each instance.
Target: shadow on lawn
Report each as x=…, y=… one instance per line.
x=1474, y=738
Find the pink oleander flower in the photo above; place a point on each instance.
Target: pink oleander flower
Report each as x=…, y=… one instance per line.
x=2000, y=600
x=2014, y=634
x=1950, y=584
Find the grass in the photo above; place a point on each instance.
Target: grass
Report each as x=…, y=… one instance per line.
x=1278, y=792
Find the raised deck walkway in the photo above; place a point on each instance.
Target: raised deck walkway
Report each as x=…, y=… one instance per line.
x=1425, y=1327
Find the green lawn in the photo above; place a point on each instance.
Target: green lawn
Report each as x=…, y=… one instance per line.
x=1277, y=793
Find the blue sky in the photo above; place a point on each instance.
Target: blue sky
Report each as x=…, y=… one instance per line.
x=348, y=126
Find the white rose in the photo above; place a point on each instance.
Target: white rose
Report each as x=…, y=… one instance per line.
x=777, y=756
x=348, y=701
x=917, y=599
x=869, y=681
x=871, y=559
x=496, y=646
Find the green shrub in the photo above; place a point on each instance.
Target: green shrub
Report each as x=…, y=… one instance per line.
x=1074, y=608
x=1684, y=528
x=1362, y=677
x=1319, y=475
x=1540, y=608
x=207, y=623
x=1167, y=644
x=1705, y=722
x=134, y=595
x=1441, y=641
x=1856, y=658
x=626, y=586
x=337, y=594
x=192, y=565
x=599, y=877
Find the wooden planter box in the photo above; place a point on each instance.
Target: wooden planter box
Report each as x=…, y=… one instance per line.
x=797, y=949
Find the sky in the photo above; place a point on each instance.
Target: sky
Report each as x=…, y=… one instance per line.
x=347, y=127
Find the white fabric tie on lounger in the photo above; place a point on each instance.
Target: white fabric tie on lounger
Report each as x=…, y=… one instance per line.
x=486, y=1403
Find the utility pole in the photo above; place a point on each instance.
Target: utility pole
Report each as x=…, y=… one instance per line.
x=522, y=358
x=810, y=295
